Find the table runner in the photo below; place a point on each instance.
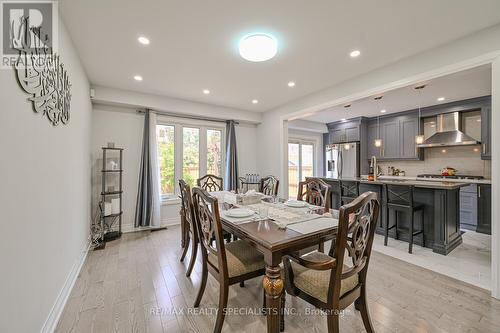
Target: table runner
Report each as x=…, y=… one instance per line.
x=313, y=226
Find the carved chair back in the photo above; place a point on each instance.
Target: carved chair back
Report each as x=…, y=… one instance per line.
x=269, y=185
x=207, y=217
x=356, y=229
x=210, y=183
x=315, y=191
x=187, y=207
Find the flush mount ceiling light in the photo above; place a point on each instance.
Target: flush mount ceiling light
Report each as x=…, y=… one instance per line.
x=383, y=111
x=355, y=53
x=138, y=78
x=143, y=40
x=291, y=84
x=258, y=47
x=206, y=91
x=440, y=99
x=254, y=101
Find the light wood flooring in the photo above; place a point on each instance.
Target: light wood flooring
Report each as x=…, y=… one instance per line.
x=137, y=284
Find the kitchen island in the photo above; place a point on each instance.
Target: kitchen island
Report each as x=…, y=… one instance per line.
x=441, y=200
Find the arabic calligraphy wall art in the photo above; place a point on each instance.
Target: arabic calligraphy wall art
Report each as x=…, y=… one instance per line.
x=41, y=73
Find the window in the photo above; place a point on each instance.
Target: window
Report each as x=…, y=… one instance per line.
x=191, y=155
x=166, y=153
x=300, y=164
x=187, y=151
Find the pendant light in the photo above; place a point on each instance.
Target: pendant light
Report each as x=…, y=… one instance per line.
x=419, y=138
x=378, y=141
x=347, y=146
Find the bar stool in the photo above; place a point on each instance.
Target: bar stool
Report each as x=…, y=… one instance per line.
x=400, y=199
x=349, y=190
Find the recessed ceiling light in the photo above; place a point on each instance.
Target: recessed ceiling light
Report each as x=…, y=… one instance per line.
x=343, y=120
x=291, y=84
x=254, y=101
x=355, y=53
x=383, y=111
x=440, y=99
x=206, y=91
x=258, y=47
x=138, y=78
x=143, y=40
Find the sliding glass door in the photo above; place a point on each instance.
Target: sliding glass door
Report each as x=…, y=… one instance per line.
x=300, y=164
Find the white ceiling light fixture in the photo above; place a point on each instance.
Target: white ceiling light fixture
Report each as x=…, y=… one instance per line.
x=143, y=40
x=255, y=101
x=355, y=53
x=206, y=91
x=138, y=78
x=440, y=99
x=383, y=111
x=257, y=47
x=291, y=84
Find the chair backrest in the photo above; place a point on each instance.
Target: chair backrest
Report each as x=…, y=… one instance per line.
x=269, y=185
x=356, y=230
x=399, y=194
x=210, y=183
x=207, y=217
x=315, y=191
x=349, y=189
x=187, y=206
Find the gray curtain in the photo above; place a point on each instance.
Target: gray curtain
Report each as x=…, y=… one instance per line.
x=147, y=211
x=231, y=174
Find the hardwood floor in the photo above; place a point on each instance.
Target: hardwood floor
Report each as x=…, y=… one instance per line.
x=137, y=284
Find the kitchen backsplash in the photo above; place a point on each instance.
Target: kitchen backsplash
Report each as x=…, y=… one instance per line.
x=466, y=159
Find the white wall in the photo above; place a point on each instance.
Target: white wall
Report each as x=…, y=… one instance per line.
x=495, y=178
x=124, y=127
x=44, y=200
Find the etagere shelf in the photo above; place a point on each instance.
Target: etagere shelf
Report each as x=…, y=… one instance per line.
x=109, y=221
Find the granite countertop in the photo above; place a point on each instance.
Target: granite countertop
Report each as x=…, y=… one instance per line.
x=435, y=184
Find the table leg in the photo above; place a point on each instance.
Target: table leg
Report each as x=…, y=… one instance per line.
x=273, y=287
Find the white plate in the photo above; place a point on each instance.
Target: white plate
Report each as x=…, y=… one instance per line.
x=296, y=203
x=239, y=212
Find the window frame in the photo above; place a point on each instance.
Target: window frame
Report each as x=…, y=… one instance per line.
x=301, y=142
x=203, y=126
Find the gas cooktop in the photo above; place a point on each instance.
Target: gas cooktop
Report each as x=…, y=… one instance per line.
x=449, y=177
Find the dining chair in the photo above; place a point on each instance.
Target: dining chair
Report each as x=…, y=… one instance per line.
x=229, y=263
x=190, y=233
x=349, y=190
x=269, y=185
x=211, y=183
x=315, y=192
x=324, y=280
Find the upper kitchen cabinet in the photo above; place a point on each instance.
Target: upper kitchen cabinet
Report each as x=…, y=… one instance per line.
x=486, y=133
x=398, y=138
x=347, y=131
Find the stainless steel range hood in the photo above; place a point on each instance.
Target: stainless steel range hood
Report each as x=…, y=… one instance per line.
x=448, y=133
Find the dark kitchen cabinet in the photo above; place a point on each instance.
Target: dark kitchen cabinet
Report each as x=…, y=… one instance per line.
x=468, y=207
x=486, y=133
x=409, y=130
x=484, y=208
x=390, y=139
x=348, y=131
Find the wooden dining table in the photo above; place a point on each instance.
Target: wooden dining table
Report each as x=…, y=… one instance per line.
x=274, y=243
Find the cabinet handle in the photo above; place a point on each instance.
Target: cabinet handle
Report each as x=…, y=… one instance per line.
x=484, y=148
x=479, y=191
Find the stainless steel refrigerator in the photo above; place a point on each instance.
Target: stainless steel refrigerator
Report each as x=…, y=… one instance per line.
x=342, y=160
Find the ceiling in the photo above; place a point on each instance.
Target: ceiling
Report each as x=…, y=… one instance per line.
x=471, y=83
x=194, y=43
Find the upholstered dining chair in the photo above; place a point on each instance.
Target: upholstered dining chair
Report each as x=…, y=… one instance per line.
x=269, y=185
x=324, y=280
x=315, y=192
x=229, y=263
x=210, y=183
x=190, y=233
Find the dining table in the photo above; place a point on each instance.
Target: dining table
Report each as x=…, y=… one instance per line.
x=275, y=238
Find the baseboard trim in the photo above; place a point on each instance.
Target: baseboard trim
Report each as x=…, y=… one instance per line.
x=55, y=313
x=126, y=228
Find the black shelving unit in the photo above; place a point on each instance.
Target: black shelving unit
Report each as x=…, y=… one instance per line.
x=108, y=222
